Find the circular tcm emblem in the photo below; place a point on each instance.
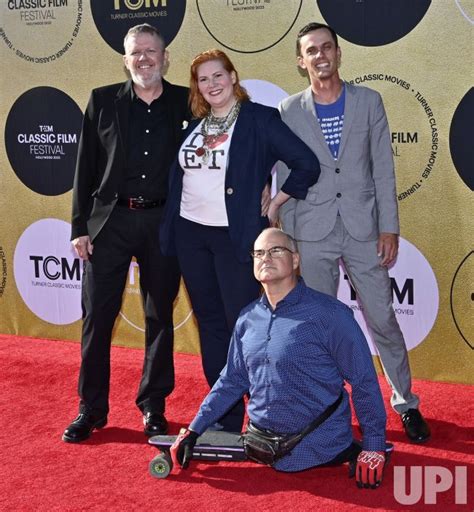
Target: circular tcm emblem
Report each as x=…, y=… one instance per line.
x=48, y=272
x=40, y=31
x=415, y=133
x=132, y=305
x=462, y=299
x=41, y=137
x=373, y=22
x=248, y=26
x=114, y=18
x=460, y=139
x=414, y=292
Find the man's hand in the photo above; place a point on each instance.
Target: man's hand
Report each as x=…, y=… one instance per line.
x=387, y=248
x=369, y=469
x=83, y=247
x=265, y=201
x=182, y=449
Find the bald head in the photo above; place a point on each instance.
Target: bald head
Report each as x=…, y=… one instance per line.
x=287, y=240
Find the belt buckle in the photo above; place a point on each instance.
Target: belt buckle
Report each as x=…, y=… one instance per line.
x=134, y=203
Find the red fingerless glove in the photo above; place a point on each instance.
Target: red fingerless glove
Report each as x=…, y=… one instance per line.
x=182, y=449
x=369, y=469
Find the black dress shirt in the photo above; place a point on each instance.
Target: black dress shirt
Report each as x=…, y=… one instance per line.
x=148, y=143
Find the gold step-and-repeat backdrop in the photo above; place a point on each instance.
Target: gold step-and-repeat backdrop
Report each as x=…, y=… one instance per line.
x=417, y=53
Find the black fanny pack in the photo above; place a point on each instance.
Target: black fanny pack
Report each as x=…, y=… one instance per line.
x=266, y=447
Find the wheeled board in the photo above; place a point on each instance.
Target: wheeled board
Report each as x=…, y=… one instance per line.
x=214, y=446
x=210, y=446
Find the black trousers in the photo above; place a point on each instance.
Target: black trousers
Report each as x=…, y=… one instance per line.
x=128, y=233
x=219, y=286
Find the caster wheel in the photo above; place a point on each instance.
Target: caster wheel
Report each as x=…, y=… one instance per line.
x=161, y=465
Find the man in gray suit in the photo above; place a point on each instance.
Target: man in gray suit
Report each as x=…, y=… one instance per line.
x=351, y=213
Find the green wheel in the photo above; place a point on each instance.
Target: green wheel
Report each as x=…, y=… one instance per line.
x=161, y=465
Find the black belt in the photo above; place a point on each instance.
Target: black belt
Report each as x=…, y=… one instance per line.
x=138, y=203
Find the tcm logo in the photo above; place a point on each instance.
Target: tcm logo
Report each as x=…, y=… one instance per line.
x=414, y=294
x=48, y=273
x=134, y=5
x=54, y=268
x=436, y=479
x=406, y=292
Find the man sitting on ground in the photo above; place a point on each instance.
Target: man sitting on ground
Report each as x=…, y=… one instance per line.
x=291, y=351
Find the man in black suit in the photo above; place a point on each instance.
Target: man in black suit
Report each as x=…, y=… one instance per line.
x=130, y=135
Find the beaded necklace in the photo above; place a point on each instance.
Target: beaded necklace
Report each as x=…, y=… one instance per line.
x=218, y=126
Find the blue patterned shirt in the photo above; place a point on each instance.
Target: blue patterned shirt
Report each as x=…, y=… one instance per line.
x=331, y=121
x=293, y=361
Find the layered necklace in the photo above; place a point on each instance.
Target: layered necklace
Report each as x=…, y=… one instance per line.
x=212, y=131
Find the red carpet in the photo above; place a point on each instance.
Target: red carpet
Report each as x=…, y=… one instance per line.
x=110, y=471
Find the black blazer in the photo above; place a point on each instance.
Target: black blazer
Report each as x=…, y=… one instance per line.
x=102, y=151
x=259, y=140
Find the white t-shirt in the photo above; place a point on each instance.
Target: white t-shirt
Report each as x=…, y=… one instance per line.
x=203, y=196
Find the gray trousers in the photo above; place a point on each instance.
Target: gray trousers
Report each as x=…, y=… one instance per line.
x=320, y=270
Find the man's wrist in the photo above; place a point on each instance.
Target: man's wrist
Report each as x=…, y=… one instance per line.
x=374, y=444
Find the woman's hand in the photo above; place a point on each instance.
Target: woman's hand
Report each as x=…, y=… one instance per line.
x=273, y=214
x=274, y=207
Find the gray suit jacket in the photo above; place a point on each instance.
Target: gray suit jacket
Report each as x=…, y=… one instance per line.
x=360, y=184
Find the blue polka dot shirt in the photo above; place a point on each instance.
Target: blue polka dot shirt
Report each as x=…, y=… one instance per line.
x=294, y=361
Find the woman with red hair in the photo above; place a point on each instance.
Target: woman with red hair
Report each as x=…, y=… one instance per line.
x=213, y=212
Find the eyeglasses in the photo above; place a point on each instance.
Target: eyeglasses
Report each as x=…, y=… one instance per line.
x=273, y=252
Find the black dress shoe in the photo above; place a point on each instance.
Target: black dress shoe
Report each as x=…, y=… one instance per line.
x=81, y=428
x=416, y=428
x=155, y=424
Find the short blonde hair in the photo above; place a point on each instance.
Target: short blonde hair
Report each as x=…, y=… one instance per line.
x=145, y=28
